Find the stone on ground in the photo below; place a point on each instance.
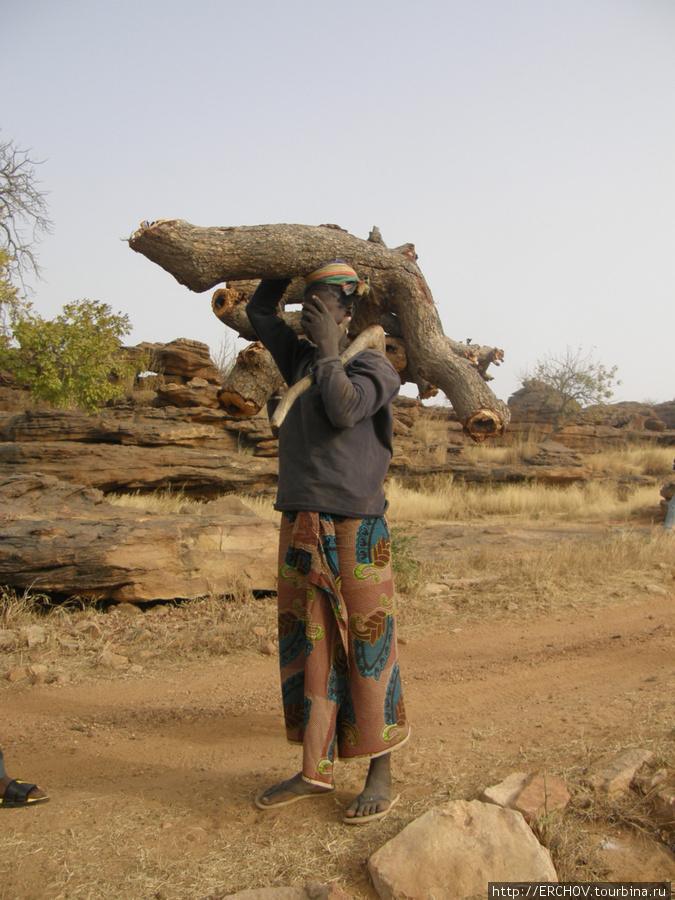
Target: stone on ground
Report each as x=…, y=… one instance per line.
x=534, y=795
x=613, y=775
x=630, y=857
x=504, y=793
x=453, y=851
x=540, y=796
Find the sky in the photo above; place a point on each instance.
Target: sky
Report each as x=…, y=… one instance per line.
x=525, y=147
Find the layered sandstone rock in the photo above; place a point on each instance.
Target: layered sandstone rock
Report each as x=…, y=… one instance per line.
x=66, y=539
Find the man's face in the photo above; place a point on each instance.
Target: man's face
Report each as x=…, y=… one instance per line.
x=330, y=301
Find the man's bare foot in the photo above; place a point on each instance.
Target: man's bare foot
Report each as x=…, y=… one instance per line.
x=375, y=798
x=33, y=796
x=289, y=791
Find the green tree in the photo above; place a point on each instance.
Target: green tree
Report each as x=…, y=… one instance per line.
x=74, y=360
x=570, y=382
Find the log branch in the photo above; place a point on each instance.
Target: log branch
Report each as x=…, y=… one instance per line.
x=372, y=338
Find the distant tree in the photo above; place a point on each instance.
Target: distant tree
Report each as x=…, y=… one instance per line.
x=23, y=209
x=571, y=381
x=73, y=360
x=10, y=299
x=226, y=356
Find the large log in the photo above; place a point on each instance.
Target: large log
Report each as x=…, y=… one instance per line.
x=201, y=258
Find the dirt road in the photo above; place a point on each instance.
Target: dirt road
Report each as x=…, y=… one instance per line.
x=152, y=772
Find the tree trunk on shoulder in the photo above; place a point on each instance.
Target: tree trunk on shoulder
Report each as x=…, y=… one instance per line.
x=201, y=258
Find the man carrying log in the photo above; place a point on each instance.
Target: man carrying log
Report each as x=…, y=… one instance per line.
x=340, y=679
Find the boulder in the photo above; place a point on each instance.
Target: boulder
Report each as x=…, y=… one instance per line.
x=202, y=473
x=190, y=359
x=146, y=428
x=666, y=412
x=8, y=638
x=535, y=795
x=504, y=793
x=535, y=403
x=551, y=453
x=629, y=857
x=197, y=450
x=540, y=796
x=663, y=803
x=197, y=392
x=453, y=851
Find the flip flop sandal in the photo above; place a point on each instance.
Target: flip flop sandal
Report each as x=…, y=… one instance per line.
x=310, y=796
x=16, y=794
x=363, y=820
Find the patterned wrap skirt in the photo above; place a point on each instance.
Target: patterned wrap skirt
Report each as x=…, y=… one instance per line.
x=340, y=679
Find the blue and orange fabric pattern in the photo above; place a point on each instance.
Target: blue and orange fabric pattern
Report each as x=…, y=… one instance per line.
x=341, y=684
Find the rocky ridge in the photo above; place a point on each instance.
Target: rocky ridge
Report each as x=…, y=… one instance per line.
x=169, y=434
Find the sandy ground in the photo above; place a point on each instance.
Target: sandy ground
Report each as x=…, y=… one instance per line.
x=152, y=774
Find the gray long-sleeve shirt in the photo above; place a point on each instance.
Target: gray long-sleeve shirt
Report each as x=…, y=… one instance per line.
x=335, y=444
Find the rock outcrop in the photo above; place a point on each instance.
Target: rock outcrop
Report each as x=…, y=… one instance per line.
x=63, y=539
x=594, y=427
x=171, y=434
x=125, y=450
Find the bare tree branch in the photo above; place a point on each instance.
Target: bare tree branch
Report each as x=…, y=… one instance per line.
x=23, y=209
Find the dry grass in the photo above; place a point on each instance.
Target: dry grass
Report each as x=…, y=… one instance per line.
x=18, y=610
x=448, y=500
x=656, y=461
x=576, y=573
x=573, y=836
x=169, y=503
x=164, y=502
x=511, y=454
x=77, y=634
x=263, y=507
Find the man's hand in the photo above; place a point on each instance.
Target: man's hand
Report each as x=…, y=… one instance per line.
x=320, y=327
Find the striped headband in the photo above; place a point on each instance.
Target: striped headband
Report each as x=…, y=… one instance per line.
x=338, y=272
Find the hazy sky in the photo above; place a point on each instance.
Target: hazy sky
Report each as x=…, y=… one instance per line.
x=526, y=148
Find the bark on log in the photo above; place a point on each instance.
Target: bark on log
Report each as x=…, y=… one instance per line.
x=201, y=258
x=229, y=305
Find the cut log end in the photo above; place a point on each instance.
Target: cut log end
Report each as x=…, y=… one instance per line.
x=237, y=406
x=483, y=424
x=224, y=301
x=143, y=230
